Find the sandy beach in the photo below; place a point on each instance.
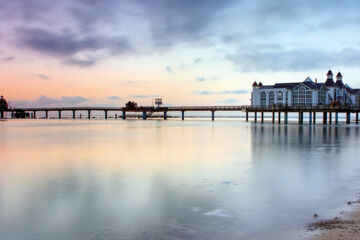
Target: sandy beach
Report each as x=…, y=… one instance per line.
x=344, y=227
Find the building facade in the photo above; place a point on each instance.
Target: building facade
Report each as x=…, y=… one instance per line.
x=306, y=94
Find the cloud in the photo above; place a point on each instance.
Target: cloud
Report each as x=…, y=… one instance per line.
x=43, y=76
x=200, y=79
x=232, y=92
x=301, y=59
x=44, y=101
x=113, y=98
x=177, y=21
x=198, y=60
x=143, y=96
x=228, y=100
x=168, y=69
x=7, y=59
x=88, y=62
x=67, y=45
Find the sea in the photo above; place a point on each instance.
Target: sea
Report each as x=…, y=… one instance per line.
x=153, y=179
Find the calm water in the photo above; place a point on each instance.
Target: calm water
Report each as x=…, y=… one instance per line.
x=65, y=179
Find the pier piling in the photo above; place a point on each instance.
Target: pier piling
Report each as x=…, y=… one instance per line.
x=314, y=117
x=310, y=117
x=124, y=115
x=74, y=113
x=89, y=114
x=2, y=115
x=286, y=117
x=255, y=117
x=183, y=115
x=357, y=117
x=336, y=118
x=144, y=115
x=273, y=117
x=279, y=117
x=330, y=117
x=212, y=115
x=106, y=114
x=324, y=117
x=165, y=115
x=348, y=117
x=247, y=116
x=262, y=117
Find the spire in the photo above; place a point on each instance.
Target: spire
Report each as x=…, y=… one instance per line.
x=255, y=84
x=260, y=84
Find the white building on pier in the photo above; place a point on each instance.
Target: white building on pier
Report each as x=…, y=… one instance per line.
x=307, y=93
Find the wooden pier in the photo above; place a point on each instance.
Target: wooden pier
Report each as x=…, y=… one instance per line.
x=328, y=113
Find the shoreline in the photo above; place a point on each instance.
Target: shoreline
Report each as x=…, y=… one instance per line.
x=345, y=226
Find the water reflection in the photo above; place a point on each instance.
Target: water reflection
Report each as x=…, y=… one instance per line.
x=169, y=180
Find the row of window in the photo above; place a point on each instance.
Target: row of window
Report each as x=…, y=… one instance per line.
x=279, y=97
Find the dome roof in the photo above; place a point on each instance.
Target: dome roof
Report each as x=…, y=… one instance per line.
x=254, y=84
x=329, y=72
x=3, y=103
x=260, y=84
x=339, y=74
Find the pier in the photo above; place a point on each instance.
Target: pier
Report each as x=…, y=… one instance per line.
x=279, y=114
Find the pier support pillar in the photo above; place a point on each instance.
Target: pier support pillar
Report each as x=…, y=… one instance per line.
x=336, y=118
x=46, y=114
x=300, y=118
x=165, y=115
x=314, y=117
x=255, y=116
x=2, y=114
x=212, y=115
x=286, y=117
x=279, y=117
x=262, y=117
x=106, y=114
x=183, y=115
x=357, y=117
x=12, y=114
x=124, y=115
x=89, y=114
x=347, y=117
x=59, y=114
x=273, y=117
x=115, y=115
x=34, y=114
x=310, y=117
x=324, y=117
x=330, y=117
x=74, y=114
x=247, y=116
x=144, y=115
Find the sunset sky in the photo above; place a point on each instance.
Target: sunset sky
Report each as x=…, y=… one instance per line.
x=203, y=52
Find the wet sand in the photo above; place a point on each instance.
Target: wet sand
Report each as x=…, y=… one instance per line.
x=345, y=227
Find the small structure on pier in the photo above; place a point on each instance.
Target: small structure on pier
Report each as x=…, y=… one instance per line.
x=3, y=104
x=131, y=105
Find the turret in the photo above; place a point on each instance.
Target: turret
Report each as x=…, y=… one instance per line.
x=339, y=76
x=329, y=75
x=254, y=84
x=260, y=84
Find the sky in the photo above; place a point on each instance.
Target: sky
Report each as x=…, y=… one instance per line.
x=203, y=52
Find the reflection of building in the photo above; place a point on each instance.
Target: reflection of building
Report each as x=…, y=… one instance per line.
x=3, y=104
x=306, y=93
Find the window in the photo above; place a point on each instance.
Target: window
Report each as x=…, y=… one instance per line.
x=302, y=97
x=263, y=98
x=279, y=96
x=271, y=98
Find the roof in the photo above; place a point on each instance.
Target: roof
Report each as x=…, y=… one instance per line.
x=254, y=84
x=340, y=84
x=329, y=72
x=286, y=85
x=339, y=74
x=330, y=83
x=267, y=87
x=353, y=91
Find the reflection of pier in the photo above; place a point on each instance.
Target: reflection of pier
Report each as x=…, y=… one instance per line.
x=148, y=111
